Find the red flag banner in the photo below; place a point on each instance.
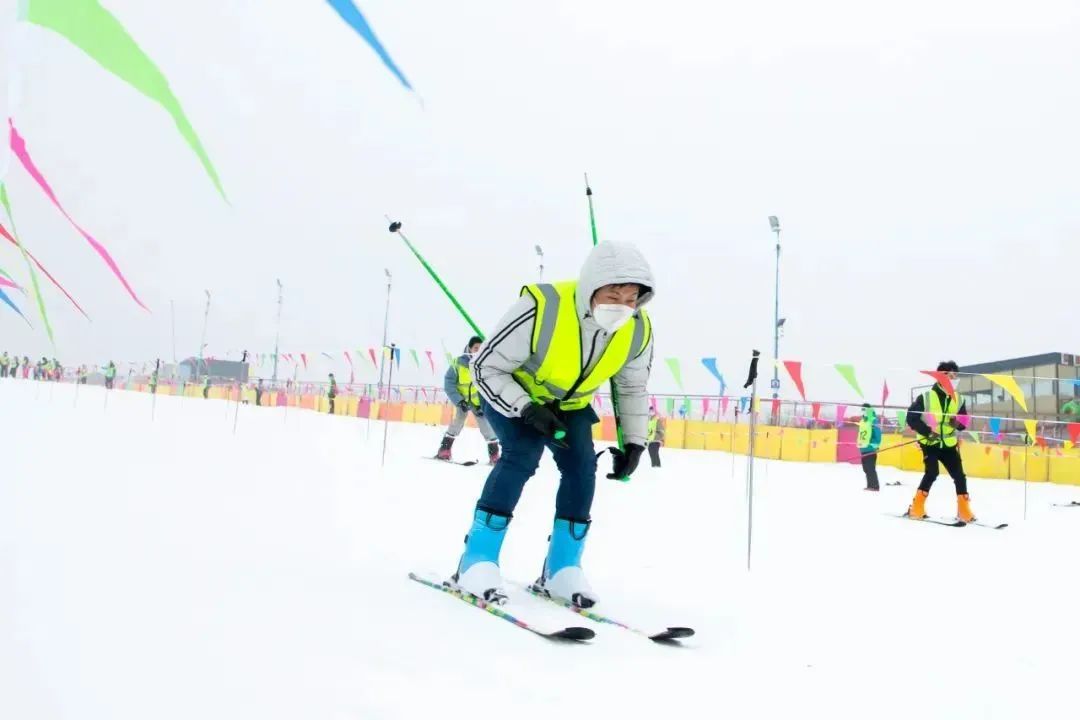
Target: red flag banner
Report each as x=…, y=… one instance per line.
x=942, y=380
x=794, y=368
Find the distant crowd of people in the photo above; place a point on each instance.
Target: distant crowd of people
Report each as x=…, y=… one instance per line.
x=49, y=369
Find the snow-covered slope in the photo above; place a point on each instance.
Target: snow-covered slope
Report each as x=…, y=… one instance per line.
x=166, y=567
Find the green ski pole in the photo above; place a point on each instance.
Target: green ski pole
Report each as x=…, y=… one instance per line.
x=611, y=384
x=395, y=227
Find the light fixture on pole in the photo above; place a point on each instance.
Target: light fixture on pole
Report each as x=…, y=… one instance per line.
x=385, y=329
x=774, y=224
x=540, y=254
x=277, y=332
x=202, y=343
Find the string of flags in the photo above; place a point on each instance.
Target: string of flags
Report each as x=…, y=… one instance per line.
x=794, y=370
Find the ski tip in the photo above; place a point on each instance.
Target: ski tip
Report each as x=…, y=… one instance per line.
x=470, y=463
x=673, y=633
x=578, y=634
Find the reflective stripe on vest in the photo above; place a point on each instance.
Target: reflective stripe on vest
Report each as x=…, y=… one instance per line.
x=465, y=384
x=942, y=416
x=554, y=369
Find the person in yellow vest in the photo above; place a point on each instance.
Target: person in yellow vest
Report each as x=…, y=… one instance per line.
x=868, y=441
x=536, y=374
x=939, y=441
x=461, y=392
x=657, y=430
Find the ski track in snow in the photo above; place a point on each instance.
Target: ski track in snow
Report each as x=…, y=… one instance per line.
x=171, y=569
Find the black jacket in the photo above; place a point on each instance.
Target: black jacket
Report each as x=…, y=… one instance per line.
x=915, y=411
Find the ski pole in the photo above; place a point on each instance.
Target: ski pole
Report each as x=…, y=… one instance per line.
x=751, y=382
x=611, y=383
x=395, y=227
x=386, y=420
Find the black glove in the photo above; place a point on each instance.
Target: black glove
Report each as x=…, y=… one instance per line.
x=933, y=438
x=545, y=422
x=955, y=424
x=463, y=404
x=624, y=462
x=478, y=410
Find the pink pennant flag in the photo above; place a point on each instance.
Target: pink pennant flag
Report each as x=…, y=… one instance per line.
x=652, y=403
x=885, y=392
x=931, y=420
x=18, y=146
x=371, y=351
x=599, y=402
x=704, y=407
x=724, y=404
x=303, y=357
x=4, y=282
x=348, y=357
x=841, y=413
x=430, y=360
x=776, y=407
x=815, y=409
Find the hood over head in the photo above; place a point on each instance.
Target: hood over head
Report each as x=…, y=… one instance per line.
x=613, y=263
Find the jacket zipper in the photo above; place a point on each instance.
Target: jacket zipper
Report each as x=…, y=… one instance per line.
x=581, y=374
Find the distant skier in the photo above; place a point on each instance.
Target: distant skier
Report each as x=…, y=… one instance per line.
x=110, y=375
x=461, y=391
x=259, y=392
x=331, y=392
x=657, y=430
x=154, y=378
x=557, y=345
x=206, y=388
x=26, y=367
x=5, y=364
x=869, y=441
x=940, y=443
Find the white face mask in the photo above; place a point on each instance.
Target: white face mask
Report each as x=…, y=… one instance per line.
x=612, y=317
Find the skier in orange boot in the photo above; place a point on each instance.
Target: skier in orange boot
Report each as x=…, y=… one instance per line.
x=939, y=443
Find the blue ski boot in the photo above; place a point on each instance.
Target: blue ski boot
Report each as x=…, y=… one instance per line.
x=563, y=577
x=478, y=570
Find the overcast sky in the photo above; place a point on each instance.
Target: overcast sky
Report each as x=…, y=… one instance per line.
x=922, y=158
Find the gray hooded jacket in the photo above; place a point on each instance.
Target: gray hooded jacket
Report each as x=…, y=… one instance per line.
x=510, y=344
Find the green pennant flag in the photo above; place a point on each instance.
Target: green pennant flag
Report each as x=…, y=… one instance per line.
x=901, y=419
x=93, y=29
x=415, y=358
x=676, y=370
x=26, y=258
x=686, y=407
x=670, y=406
x=848, y=373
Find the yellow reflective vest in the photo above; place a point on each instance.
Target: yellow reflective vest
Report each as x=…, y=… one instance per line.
x=554, y=371
x=465, y=384
x=942, y=415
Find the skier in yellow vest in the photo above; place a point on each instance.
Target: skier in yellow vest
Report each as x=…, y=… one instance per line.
x=536, y=375
x=657, y=430
x=461, y=392
x=939, y=441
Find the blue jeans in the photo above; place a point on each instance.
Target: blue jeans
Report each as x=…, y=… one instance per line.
x=522, y=447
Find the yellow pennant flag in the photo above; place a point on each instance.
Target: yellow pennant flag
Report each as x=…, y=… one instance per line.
x=1008, y=384
x=1030, y=425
